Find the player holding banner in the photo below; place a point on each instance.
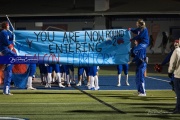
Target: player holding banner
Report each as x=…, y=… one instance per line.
x=6, y=41
x=140, y=60
x=142, y=35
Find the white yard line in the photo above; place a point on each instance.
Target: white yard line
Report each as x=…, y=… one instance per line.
x=158, y=79
x=11, y=118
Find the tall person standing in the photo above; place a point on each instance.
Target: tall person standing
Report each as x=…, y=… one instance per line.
x=6, y=39
x=141, y=64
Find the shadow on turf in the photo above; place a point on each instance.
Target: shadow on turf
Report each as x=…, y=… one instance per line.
x=102, y=102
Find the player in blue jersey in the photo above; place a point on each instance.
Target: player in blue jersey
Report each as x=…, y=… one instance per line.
x=142, y=35
x=140, y=60
x=125, y=68
x=6, y=39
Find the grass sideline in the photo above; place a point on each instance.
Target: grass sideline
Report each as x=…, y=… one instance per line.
x=94, y=105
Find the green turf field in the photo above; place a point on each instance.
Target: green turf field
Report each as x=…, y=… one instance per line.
x=88, y=105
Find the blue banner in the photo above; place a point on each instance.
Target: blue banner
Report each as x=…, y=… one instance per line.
x=92, y=47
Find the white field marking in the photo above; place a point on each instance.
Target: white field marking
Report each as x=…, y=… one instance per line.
x=125, y=90
x=158, y=79
x=11, y=118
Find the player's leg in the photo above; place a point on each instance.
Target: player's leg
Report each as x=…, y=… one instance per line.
x=87, y=70
x=172, y=82
x=137, y=80
x=66, y=67
x=45, y=74
x=96, y=79
x=8, y=72
x=32, y=68
x=142, y=69
x=49, y=76
x=7, y=79
x=45, y=77
x=92, y=86
x=125, y=68
x=119, y=70
x=41, y=73
x=92, y=74
x=177, y=91
x=80, y=73
x=71, y=67
x=62, y=71
x=53, y=76
x=58, y=73
x=98, y=68
x=68, y=80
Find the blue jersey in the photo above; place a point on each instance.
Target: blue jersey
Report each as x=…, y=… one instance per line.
x=142, y=35
x=139, y=56
x=5, y=39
